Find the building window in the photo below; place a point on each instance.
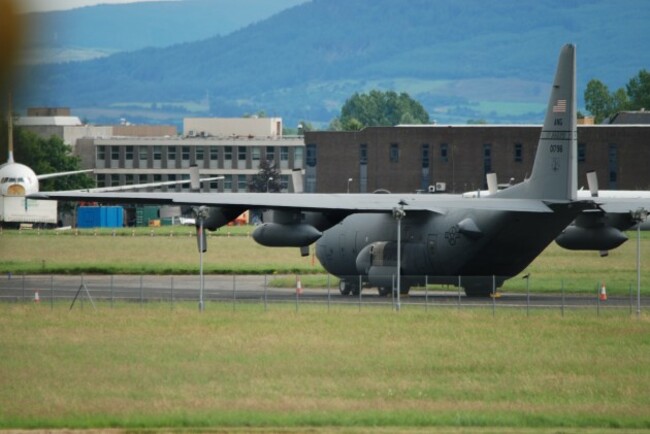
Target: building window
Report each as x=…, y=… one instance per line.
x=101, y=180
x=242, y=185
x=157, y=153
x=142, y=179
x=128, y=153
x=444, y=155
x=200, y=152
x=270, y=153
x=115, y=152
x=214, y=153
x=185, y=153
x=255, y=153
x=143, y=153
x=363, y=168
x=487, y=159
x=284, y=183
x=115, y=180
x=582, y=153
x=613, y=166
x=129, y=180
x=394, y=153
x=227, y=153
x=425, y=156
x=519, y=153
x=227, y=182
x=171, y=155
x=424, y=175
x=363, y=153
x=101, y=153
x=284, y=153
x=298, y=157
x=241, y=153
x=312, y=157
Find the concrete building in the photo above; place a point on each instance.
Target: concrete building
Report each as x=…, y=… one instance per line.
x=138, y=160
x=456, y=159
x=232, y=148
x=232, y=127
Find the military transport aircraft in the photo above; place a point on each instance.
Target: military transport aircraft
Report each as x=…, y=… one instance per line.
x=483, y=240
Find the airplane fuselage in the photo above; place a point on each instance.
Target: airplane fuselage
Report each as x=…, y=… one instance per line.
x=471, y=243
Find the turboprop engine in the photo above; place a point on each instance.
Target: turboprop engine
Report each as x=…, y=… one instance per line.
x=292, y=228
x=600, y=238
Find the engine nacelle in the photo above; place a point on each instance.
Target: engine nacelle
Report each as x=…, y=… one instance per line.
x=600, y=238
x=286, y=235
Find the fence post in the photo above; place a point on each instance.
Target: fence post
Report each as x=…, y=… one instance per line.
x=360, y=290
x=631, y=299
x=234, y=291
x=328, y=292
x=265, y=293
x=494, y=295
x=562, y=297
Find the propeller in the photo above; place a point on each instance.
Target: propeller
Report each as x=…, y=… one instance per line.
x=201, y=213
x=592, y=181
x=491, y=179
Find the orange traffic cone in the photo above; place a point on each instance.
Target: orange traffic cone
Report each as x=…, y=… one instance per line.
x=603, y=292
x=298, y=286
x=37, y=298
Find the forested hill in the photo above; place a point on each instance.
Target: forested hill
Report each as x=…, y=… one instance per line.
x=461, y=59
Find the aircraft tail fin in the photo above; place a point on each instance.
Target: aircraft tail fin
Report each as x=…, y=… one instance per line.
x=554, y=175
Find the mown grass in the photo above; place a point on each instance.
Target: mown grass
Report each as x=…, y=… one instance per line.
x=148, y=367
x=231, y=250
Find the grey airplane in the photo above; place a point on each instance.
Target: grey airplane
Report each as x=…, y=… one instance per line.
x=375, y=240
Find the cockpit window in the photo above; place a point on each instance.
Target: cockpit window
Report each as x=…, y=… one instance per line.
x=7, y=179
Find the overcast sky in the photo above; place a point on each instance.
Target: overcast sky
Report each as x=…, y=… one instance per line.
x=51, y=5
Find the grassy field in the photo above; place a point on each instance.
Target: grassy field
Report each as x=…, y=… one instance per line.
x=172, y=250
x=151, y=367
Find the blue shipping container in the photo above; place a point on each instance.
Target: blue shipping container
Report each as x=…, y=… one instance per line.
x=100, y=217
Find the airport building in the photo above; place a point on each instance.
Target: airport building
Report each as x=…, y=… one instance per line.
x=215, y=147
x=454, y=159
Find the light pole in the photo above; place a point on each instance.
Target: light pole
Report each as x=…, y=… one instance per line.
x=640, y=215
x=201, y=215
x=268, y=181
x=349, y=181
x=398, y=214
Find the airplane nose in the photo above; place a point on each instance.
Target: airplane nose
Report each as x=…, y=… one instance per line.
x=15, y=190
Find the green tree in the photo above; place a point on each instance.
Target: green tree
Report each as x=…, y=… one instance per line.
x=47, y=156
x=638, y=91
x=378, y=108
x=268, y=176
x=598, y=101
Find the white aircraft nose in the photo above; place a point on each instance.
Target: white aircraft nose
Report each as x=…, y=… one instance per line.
x=15, y=190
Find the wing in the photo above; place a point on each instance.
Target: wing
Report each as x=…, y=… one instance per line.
x=346, y=203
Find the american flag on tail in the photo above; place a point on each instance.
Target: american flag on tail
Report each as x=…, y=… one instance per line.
x=560, y=106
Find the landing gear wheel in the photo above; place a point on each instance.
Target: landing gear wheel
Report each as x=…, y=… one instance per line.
x=344, y=287
x=478, y=291
x=383, y=291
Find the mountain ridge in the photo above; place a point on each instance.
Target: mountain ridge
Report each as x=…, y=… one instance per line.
x=303, y=62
